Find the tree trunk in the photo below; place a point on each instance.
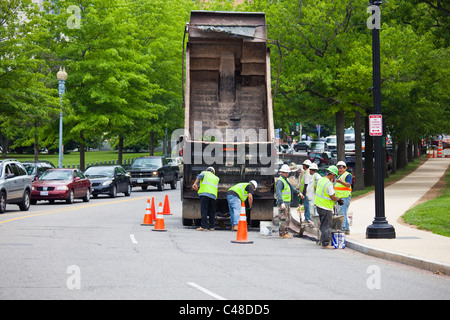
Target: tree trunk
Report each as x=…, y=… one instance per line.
x=82, y=146
x=35, y=147
x=152, y=142
x=340, y=140
x=120, y=150
x=402, y=159
x=359, y=177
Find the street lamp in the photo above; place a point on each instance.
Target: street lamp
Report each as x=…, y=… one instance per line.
x=62, y=77
x=379, y=229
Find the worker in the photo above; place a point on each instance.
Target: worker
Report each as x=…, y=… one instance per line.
x=284, y=192
x=343, y=190
x=324, y=201
x=235, y=196
x=207, y=192
x=311, y=190
x=304, y=182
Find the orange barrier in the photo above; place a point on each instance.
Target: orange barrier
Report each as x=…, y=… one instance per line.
x=148, y=215
x=166, y=209
x=439, y=152
x=241, y=236
x=159, y=224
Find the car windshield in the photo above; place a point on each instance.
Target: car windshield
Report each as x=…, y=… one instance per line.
x=315, y=155
x=99, y=172
x=29, y=167
x=150, y=163
x=317, y=145
x=331, y=140
x=56, y=175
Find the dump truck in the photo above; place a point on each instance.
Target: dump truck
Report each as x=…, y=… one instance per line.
x=228, y=110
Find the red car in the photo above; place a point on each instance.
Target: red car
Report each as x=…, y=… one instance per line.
x=61, y=184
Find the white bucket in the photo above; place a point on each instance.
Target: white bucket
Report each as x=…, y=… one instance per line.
x=265, y=228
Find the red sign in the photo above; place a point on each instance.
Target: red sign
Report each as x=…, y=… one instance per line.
x=375, y=125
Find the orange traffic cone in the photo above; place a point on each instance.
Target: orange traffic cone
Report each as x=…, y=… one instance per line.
x=241, y=236
x=166, y=209
x=148, y=221
x=153, y=210
x=159, y=224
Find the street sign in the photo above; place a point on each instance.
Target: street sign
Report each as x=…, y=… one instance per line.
x=375, y=125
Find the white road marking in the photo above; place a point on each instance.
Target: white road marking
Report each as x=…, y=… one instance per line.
x=133, y=239
x=212, y=294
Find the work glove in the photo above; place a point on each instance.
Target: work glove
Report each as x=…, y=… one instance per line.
x=341, y=202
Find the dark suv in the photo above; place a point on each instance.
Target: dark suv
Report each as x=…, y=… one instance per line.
x=15, y=185
x=153, y=171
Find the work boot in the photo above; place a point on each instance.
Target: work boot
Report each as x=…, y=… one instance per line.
x=234, y=228
x=286, y=236
x=200, y=229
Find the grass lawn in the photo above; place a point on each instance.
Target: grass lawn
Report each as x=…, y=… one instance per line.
x=73, y=158
x=433, y=215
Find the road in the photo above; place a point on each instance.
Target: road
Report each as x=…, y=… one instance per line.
x=99, y=250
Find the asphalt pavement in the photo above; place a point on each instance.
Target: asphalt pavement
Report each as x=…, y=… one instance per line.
x=411, y=246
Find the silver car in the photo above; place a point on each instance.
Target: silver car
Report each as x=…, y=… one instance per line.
x=15, y=185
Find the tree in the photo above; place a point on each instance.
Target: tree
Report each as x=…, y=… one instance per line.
x=25, y=99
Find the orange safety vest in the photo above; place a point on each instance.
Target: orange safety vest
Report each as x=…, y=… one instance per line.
x=341, y=190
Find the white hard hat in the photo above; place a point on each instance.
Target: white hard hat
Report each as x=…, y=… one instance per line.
x=313, y=166
x=307, y=162
x=285, y=168
x=341, y=163
x=253, y=182
x=211, y=169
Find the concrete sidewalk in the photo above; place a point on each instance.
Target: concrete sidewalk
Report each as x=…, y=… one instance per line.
x=411, y=246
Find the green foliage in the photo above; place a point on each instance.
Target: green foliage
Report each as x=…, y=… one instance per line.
x=124, y=62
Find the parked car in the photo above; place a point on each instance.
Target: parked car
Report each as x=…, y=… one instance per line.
x=153, y=171
x=285, y=148
x=15, y=185
x=332, y=144
x=302, y=145
x=318, y=146
x=349, y=149
x=36, y=168
x=61, y=184
x=109, y=179
x=322, y=158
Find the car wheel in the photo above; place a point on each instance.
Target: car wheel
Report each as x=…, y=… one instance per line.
x=71, y=197
x=87, y=197
x=2, y=202
x=161, y=185
x=128, y=192
x=173, y=184
x=25, y=204
x=113, y=193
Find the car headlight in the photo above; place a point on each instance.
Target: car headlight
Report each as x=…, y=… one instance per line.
x=155, y=173
x=62, y=188
x=106, y=183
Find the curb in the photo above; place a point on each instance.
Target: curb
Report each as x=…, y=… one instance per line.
x=422, y=263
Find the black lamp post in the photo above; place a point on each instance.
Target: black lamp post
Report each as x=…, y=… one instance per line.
x=379, y=229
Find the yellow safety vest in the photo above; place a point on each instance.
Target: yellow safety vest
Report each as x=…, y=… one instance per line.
x=286, y=192
x=341, y=190
x=240, y=190
x=322, y=199
x=209, y=183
